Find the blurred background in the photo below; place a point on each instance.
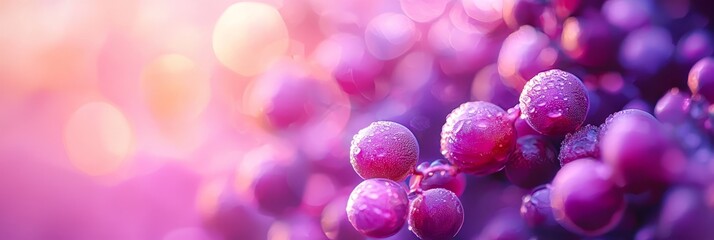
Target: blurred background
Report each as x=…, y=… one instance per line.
x=225, y=119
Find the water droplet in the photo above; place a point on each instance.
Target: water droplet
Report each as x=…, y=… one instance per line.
x=526, y=99
x=555, y=114
x=531, y=110
x=540, y=104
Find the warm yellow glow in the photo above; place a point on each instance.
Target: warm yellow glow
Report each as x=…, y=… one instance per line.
x=98, y=138
x=249, y=36
x=279, y=231
x=175, y=88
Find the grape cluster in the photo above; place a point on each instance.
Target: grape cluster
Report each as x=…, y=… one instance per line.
x=630, y=154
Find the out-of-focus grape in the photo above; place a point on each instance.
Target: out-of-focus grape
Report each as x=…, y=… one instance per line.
x=592, y=210
x=525, y=53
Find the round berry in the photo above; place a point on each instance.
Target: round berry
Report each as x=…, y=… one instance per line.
x=532, y=163
x=477, y=138
x=686, y=214
x=384, y=150
x=378, y=207
x=701, y=78
x=554, y=102
x=639, y=151
x=672, y=107
x=583, y=143
x=537, y=213
x=646, y=50
x=440, y=174
x=585, y=200
x=436, y=214
x=524, y=53
x=595, y=46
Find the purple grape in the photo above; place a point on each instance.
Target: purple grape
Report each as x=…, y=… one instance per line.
x=436, y=214
x=694, y=46
x=532, y=163
x=384, y=150
x=685, y=214
x=628, y=15
x=671, y=108
x=440, y=174
x=554, y=102
x=477, y=138
x=289, y=179
x=538, y=214
x=646, y=51
x=353, y=68
x=583, y=143
x=390, y=35
x=523, y=128
x=517, y=13
x=588, y=40
x=378, y=207
x=524, y=53
x=639, y=151
x=584, y=198
x=701, y=78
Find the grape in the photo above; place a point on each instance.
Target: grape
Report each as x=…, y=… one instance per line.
x=279, y=189
x=583, y=143
x=440, y=174
x=671, y=108
x=532, y=163
x=537, y=213
x=646, y=50
x=390, y=35
x=384, y=150
x=592, y=210
x=554, y=102
x=477, y=138
x=701, y=78
x=523, y=128
x=694, y=46
x=627, y=15
x=524, y=53
x=620, y=114
x=588, y=40
x=639, y=151
x=517, y=13
x=436, y=214
x=354, y=69
x=685, y=215
x=377, y=207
